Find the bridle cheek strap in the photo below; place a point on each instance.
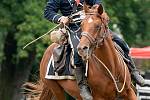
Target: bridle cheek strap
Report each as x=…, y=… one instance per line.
x=89, y=37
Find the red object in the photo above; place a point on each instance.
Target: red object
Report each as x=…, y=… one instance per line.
x=77, y=1
x=140, y=53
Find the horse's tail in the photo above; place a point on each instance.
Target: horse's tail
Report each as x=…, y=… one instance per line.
x=47, y=94
x=37, y=91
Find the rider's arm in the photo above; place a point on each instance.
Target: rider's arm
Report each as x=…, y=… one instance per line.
x=51, y=11
x=97, y=1
x=93, y=2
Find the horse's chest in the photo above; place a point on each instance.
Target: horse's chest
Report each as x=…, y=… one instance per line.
x=100, y=84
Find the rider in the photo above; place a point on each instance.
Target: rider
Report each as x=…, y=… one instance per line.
x=67, y=8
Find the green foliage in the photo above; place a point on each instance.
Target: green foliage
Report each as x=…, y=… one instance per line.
x=24, y=21
x=132, y=17
x=33, y=26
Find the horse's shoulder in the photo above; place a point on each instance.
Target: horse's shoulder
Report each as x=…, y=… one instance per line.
x=51, y=47
x=49, y=50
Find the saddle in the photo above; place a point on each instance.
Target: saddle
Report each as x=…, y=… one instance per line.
x=62, y=56
x=119, y=49
x=59, y=55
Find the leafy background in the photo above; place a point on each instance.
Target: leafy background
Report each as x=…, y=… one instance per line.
x=21, y=21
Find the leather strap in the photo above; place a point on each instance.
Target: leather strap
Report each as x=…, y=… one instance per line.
x=77, y=1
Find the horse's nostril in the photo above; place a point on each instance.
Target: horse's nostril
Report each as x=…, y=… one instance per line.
x=79, y=48
x=85, y=48
x=82, y=48
x=82, y=51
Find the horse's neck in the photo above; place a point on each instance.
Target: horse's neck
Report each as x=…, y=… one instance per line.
x=107, y=54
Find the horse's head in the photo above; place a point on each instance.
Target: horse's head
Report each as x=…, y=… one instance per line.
x=93, y=29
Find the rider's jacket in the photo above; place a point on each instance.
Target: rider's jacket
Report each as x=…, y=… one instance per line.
x=64, y=6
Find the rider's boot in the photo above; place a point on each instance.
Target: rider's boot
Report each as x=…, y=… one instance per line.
x=82, y=83
x=135, y=73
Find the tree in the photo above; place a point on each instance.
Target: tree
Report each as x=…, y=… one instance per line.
x=20, y=22
x=132, y=17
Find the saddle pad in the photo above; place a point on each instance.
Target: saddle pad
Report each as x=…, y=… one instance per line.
x=66, y=73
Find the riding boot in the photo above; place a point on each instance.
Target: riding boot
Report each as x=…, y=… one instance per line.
x=82, y=83
x=135, y=73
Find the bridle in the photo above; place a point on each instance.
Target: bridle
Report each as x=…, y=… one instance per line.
x=95, y=42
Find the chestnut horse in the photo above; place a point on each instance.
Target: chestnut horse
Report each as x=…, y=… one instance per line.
x=107, y=74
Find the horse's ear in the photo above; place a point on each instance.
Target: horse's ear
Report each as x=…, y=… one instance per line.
x=100, y=9
x=86, y=8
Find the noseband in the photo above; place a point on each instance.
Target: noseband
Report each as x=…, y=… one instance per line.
x=95, y=42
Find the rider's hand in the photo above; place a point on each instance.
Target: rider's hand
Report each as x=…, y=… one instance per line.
x=64, y=20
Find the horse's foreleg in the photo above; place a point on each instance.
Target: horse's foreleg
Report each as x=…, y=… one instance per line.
x=71, y=87
x=131, y=95
x=56, y=89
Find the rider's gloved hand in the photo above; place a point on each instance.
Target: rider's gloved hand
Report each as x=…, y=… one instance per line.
x=64, y=20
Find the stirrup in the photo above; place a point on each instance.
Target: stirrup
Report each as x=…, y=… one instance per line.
x=138, y=78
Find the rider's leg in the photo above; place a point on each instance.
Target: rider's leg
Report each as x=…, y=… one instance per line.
x=132, y=68
x=80, y=68
x=80, y=77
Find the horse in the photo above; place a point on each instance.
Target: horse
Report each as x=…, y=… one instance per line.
x=106, y=71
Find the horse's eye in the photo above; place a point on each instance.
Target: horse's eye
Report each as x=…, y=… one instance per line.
x=98, y=26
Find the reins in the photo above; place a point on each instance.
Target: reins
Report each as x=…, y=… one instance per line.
x=121, y=60
x=97, y=41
